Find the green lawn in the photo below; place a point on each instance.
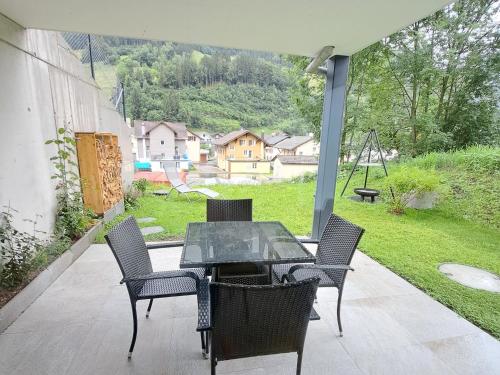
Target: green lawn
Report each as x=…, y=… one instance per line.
x=412, y=245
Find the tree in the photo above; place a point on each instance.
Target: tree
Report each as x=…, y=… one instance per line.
x=432, y=86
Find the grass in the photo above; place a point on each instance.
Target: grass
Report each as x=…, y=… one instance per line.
x=412, y=245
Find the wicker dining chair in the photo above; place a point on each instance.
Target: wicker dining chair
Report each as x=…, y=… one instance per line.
x=236, y=210
x=255, y=320
x=333, y=258
x=229, y=210
x=131, y=253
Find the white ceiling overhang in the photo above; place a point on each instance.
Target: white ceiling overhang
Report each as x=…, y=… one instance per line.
x=300, y=27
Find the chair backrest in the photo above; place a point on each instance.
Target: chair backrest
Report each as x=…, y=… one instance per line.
x=252, y=320
x=337, y=245
x=128, y=247
x=170, y=169
x=229, y=210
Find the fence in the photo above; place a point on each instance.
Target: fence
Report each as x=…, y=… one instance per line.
x=97, y=57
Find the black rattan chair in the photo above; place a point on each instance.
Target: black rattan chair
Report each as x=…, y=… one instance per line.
x=248, y=321
x=131, y=253
x=229, y=210
x=236, y=210
x=333, y=258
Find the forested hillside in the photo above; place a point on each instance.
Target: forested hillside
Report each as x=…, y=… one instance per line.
x=211, y=88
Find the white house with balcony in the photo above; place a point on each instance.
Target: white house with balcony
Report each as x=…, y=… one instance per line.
x=165, y=140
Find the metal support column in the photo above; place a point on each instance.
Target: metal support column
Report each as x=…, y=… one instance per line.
x=331, y=132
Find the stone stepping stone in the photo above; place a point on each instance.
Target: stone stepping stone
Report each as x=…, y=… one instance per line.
x=151, y=230
x=146, y=219
x=161, y=192
x=472, y=277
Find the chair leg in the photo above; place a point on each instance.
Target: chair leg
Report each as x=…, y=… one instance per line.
x=339, y=302
x=206, y=348
x=203, y=345
x=299, y=362
x=134, y=336
x=213, y=363
x=149, y=308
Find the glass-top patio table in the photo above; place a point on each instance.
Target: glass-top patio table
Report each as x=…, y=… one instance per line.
x=213, y=244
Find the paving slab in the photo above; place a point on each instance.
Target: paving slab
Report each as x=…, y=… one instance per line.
x=146, y=219
x=82, y=325
x=472, y=277
x=151, y=230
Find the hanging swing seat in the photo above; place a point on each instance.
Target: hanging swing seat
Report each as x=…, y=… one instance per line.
x=366, y=192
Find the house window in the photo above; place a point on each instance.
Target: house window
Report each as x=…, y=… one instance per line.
x=231, y=147
x=191, y=138
x=250, y=142
x=162, y=142
x=231, y=156
x=254, y=165
x=247, y=153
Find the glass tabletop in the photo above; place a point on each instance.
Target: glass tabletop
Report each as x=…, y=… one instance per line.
x=266, y=242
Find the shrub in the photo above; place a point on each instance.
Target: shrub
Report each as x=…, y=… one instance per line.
x=17, y=249
x=72, y=218
x=473, y=159
x=406, y=182
x=306, y=177
x=131, y=199
x=141, y=185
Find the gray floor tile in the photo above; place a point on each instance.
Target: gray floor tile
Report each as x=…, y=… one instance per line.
x=82, y=325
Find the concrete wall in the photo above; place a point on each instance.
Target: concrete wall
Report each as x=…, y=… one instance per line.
x=292, y=170
x=238, y=166
x=44, y=86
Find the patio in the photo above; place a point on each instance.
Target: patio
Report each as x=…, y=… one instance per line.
x=82, y=325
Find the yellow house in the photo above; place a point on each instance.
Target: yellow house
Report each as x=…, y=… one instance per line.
x=193, y=146
x=241, y=151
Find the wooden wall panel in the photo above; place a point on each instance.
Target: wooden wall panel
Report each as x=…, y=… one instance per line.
x=100, y=160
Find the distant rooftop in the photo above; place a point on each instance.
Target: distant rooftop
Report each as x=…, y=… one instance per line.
x=271, y=140
x=293, y=142
x=179, y=128
x=222, y=141
x=297, y=159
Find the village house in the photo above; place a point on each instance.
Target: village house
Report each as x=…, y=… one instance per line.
x=298, y=145
x=217, y=135
x=205, y=137
x=241, y=152
x=289, y=166
x=271, y=141
x=165, y=140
